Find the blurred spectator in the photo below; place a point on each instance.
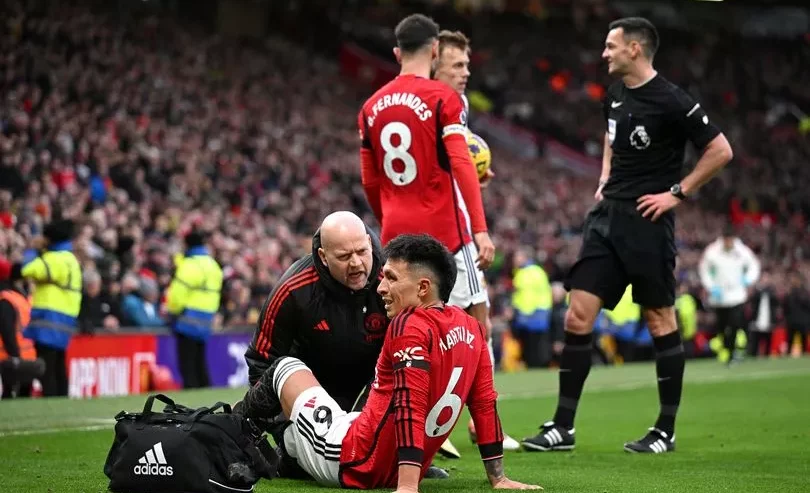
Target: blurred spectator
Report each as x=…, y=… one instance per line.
x=728, y=269
x=797, y=311
x=236, y=306
x=98, y=309
x=140, y=305
x=17, y=353
x=765, y=311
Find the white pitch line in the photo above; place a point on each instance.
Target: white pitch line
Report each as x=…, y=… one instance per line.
x=107, y=425
x=727, y=377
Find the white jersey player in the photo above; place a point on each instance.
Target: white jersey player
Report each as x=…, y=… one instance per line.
x=470, y=293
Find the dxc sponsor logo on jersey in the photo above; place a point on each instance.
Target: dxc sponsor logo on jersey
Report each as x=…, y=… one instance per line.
x=409, y=354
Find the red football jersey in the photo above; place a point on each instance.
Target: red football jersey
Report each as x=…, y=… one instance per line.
x=417, y=171
x=433, y=361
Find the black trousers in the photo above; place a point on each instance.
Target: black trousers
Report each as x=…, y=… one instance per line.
x=728, y=321
x=792, y=331
x=14, y=384
x=191, y=359
x=535, y=347
x=756, y=339
x=55, y=379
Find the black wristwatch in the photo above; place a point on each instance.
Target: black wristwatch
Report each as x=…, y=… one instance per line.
x=676, y=191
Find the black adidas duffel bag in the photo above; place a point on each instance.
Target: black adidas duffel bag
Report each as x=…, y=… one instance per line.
x=187, y=450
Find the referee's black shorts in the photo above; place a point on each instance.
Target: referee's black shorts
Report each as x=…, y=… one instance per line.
x=619, y=247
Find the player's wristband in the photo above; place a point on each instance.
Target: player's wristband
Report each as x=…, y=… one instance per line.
x=491, y=451
x=410, y=455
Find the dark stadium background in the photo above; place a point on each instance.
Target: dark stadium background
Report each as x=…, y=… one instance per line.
x=143, y=119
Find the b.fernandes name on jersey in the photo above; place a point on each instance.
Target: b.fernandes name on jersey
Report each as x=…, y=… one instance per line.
x=401, y=99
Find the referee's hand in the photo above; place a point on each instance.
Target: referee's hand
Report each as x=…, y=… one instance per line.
x=654, y=205
x=598, y=195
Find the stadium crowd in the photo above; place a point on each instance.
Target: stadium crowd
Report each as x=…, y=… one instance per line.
x=141, y=132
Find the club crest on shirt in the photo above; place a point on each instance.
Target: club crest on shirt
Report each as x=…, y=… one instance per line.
x=639, y=138
x=375, y=324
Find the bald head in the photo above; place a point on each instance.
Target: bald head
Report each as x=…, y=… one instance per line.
x=346, y=249
x=339, y=225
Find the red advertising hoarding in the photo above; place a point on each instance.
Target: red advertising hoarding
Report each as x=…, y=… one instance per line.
x=106, y=365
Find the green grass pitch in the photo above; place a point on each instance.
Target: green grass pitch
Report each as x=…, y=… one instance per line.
x=744, y=429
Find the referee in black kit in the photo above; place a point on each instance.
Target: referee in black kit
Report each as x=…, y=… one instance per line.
x=629, y=236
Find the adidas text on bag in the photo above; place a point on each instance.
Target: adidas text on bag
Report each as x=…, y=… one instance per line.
x=153, y=462
x=204, y=450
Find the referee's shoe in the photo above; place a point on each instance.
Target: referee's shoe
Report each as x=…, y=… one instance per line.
x=654, y=442
x=552, y=437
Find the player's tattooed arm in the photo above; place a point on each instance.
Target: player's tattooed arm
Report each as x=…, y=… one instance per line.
x=494, y=470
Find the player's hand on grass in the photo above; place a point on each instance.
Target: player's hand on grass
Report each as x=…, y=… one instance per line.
x=655, y=205
x=486, y=250
x=487, y=178
x=507, y=484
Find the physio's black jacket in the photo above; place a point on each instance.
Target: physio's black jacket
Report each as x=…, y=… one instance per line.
x=338, y=333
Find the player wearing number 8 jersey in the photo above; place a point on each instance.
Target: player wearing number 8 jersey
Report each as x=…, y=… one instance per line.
x=414, y=153
x=434, y=359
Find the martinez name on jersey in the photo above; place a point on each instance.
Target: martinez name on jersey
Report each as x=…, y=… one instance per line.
x=456, y=335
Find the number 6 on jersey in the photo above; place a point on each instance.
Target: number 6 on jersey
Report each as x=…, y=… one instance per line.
x=448, y=399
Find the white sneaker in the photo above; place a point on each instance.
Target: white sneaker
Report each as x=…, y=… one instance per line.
x=449, y=451
x=510, y=443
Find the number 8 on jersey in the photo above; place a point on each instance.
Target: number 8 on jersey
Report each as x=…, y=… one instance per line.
x=398, y=152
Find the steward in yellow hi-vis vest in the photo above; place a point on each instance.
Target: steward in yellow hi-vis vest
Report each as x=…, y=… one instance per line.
x=57, y=278
x=193, y=301
x=532, y=302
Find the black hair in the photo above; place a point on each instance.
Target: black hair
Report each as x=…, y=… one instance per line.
x=426, y=252
x=641, y=30
x=415, y=32
x=59, y=230
x=194, y=238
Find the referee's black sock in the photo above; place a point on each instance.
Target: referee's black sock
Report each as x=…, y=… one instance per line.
x=670, y=360
x=575, y=364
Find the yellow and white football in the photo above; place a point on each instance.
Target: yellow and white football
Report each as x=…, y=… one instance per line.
x=480, y=153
